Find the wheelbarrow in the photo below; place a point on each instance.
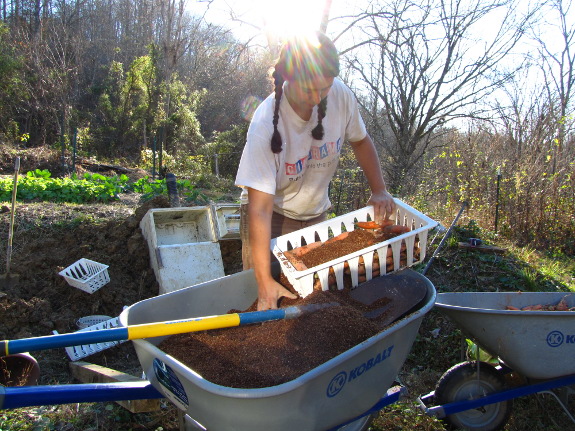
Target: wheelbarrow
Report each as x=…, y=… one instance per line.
x=339, y=394
x=343, y=393
x=539, y=346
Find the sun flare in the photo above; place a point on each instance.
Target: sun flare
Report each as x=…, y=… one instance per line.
x=282, y=19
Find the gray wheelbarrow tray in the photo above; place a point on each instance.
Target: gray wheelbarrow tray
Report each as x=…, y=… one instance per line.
x=536, y=344
x=331, y=394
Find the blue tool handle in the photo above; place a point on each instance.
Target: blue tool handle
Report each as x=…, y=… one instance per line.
x=145, y=330
x=262, y=316
x=9, y=347
x=28, y=396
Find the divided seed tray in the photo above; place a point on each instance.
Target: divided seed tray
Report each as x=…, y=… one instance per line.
x=81, y=351
x=303, y=281
x=86, y=275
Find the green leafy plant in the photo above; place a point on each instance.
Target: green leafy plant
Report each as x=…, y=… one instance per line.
x=475, y=353
x=38, y=185
x=186, y=190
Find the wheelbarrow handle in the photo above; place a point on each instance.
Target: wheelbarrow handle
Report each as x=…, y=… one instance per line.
x=155, y=329
x=29, y=396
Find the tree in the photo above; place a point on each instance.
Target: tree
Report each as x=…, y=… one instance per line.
x=231, y=73
x=557, y=62
x=420, y=66
x=12, y=91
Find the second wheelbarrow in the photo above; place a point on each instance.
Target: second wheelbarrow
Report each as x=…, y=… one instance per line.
x=537, y=345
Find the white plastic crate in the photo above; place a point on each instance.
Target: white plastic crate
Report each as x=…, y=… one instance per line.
x=84, y=322
x=81, y=351
x=86, y=275
x=303, y=281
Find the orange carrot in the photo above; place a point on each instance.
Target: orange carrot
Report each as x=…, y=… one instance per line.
x=296, y=263
x=340, y=237
x=396, y=228
x=562, y=305
x=300, y=251
x=533, y=307
x=368, y=225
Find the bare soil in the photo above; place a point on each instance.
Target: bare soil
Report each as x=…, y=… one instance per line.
x=36, y=300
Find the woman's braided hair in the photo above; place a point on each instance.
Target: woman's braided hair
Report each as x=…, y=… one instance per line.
x=303, y=58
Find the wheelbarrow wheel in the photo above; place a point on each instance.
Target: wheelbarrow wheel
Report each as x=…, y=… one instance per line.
x=465, y=381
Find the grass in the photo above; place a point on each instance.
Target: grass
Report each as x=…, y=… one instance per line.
x=88, y=417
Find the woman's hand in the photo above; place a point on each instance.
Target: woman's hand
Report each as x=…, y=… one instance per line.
x=383, y=205
x=260, y=209
x=270, y=292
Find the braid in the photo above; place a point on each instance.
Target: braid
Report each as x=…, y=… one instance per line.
x=317, y=132
x=278, y=88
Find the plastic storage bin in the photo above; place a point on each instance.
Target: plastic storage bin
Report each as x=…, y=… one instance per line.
x=81, y=351
x=303, y=281
x=86, y=275
x=227, y=220
x=183, y=246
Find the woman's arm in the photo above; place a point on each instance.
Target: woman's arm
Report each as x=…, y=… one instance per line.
x=260, y=208
x=368, y=160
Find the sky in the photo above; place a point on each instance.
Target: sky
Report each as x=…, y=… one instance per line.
x=253, y=18
x=278, y=18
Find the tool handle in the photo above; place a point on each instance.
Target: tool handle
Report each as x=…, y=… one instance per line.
x=148, y=330
x=10, y=347
x=445, y=237
x=11, y=227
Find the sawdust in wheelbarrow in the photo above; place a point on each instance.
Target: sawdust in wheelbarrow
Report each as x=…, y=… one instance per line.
x=272, y=353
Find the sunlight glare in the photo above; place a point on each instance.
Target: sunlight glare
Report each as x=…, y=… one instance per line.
x=282, y=19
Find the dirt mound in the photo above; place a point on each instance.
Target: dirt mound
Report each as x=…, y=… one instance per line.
x=50, y=237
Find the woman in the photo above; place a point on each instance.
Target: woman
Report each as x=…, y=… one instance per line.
x=292, y=151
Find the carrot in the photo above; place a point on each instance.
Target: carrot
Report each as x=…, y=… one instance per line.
x=300, y=251
x=537, y=307
x=368, y=225
x=340, y=237
x=396, y=229
x=562, y=305
x=296, y=263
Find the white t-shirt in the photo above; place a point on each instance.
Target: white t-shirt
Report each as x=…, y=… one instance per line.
x=299, y=175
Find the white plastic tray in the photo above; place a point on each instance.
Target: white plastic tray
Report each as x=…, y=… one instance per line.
x=303, y=281
x=86, y=275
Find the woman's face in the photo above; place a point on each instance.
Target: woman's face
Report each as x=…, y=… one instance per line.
x=305, y=94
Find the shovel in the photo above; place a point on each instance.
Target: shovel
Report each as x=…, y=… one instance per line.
x=8, y=280
x=155, y=329
x=391, y=297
